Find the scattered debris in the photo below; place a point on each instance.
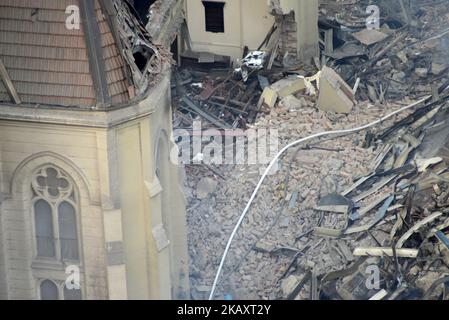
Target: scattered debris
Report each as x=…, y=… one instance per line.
x=334, y=203
x=336, y=208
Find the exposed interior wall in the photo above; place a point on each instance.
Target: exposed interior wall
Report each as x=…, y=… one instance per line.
x=289, y=39
x=247, y=22
x=306, y=16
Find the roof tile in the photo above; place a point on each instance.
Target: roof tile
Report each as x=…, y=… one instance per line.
x=47, y=62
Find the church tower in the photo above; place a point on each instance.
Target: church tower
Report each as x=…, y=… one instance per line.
x=90, y=201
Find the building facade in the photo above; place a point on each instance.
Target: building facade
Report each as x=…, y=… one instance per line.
x=90, y=202
x=227, y=27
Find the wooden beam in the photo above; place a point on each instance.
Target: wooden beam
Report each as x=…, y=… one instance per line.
x=380, y=252
x=4, y=75
x=329, y=41
x=95, y=53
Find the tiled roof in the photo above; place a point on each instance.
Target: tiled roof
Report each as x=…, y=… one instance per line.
x=48, y=63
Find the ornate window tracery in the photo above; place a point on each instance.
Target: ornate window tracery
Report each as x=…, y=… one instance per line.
x=55, y=209
x=55, y=215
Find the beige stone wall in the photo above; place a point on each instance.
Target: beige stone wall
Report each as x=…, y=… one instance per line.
x=24, y=148
x=150, y=198
x=247, y=22
x=112, y=161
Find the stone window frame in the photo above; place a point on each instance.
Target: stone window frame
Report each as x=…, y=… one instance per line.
x=69, y=195
x=88, y=200
x=60, y=284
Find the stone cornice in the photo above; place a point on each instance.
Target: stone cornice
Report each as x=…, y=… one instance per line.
x=90, y=118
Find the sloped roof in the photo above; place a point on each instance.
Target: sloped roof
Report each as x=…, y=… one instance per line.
x=52, y=65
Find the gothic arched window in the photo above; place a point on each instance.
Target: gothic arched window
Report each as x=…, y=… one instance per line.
x=55, y=211
x=49, y=290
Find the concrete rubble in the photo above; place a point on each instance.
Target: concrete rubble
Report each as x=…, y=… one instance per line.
x=336, y=207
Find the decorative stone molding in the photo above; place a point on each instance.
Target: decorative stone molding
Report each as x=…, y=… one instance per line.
x=26, y=168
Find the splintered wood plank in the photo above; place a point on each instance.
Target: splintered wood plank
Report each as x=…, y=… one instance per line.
x=8, y=83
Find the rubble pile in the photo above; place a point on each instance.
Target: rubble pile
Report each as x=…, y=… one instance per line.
x=217, y=98
x=225, y=98
x=357, y=216
x=406, y=56
x=316, y=171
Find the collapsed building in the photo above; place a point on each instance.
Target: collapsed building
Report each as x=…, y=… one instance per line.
x=87, y=179
x=360, y=213
x=87, y=188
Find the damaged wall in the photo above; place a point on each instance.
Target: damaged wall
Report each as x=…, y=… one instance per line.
x=246, y=23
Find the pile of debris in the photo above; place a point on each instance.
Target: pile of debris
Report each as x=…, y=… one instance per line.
x=229, y=97
x=319, y=226
x=217, y=196
x=405, y=200
x=404, y=55
x=217, y=98
x=364, y=216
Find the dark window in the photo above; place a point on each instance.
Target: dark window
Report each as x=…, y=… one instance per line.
x=49, y=291
x=44, y=229
x=214, y=16
x=67, y=232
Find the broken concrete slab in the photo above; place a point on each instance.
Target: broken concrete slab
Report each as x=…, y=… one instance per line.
x=424, y=164
x=421, y=72
x=334, y=203
x=268, y=98
x=264, y=247
x=402, y=55
x=335, y=94
x=288, y=86
x=369, y=37
x=438, y=68
x=205, y=187
x=289, y=284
